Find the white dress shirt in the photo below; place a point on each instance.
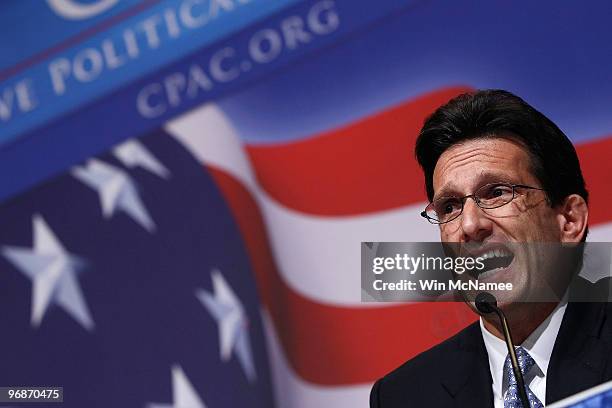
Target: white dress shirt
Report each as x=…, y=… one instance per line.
x=539, y=345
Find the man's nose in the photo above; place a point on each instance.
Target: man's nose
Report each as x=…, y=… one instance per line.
x=475, y=224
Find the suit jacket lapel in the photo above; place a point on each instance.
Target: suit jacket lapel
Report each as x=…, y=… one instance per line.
x=577, y=361
x=468, y=377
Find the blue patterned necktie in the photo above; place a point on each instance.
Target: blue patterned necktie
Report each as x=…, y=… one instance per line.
x=512, y=398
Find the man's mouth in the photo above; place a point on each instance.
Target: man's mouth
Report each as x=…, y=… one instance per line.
x=494, y=261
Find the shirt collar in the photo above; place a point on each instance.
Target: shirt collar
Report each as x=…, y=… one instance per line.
x=539, y=344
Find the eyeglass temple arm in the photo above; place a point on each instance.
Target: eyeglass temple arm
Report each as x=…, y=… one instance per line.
x=529, y=187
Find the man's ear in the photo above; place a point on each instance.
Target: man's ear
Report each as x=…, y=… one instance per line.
x=573, y=215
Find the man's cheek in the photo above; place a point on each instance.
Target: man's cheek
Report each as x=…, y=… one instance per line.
x=516, y=208
x=543, y=224
x=448, y=233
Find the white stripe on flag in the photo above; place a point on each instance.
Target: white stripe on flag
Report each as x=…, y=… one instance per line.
x=600, y=233
x=211, y=138
x=319, y=257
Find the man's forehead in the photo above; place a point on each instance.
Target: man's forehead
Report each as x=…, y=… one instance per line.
x=480, y=161
x=453, y=187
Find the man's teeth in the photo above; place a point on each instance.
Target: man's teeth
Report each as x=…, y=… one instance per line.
x=488, y=273
x=495, y=260
x=495, y=253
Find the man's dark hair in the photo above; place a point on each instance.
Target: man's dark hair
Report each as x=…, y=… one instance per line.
x=497, y=113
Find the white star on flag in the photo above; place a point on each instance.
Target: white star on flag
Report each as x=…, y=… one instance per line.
x=183, y=393
x=233, y=323
x=133, y=154
x=52, y=271
x=116, y=190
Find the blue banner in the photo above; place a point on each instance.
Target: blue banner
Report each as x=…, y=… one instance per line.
x=56, y=80
x=205, y=75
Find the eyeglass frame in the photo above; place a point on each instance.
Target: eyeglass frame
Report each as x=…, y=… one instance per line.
x=477, y=200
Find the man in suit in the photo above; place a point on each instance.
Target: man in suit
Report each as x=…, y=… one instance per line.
x=499, y=172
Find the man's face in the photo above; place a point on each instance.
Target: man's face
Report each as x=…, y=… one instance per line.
x=465, y=167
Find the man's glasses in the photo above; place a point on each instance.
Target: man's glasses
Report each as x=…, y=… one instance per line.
x=494, y=195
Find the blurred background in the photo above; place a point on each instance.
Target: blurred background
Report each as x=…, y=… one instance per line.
x=184, y=185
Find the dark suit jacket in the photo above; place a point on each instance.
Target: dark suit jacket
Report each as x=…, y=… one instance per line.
x=456, y=372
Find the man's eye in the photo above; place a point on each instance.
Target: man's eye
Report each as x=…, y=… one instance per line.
x=449, y=207
x=496, y=192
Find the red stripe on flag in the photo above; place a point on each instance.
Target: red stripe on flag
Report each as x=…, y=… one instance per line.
x=360, y=168
x=369, y=165
x=597, y=169
x=331, y=345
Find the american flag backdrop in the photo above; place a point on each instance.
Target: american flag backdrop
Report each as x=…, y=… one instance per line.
x=208, y=254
